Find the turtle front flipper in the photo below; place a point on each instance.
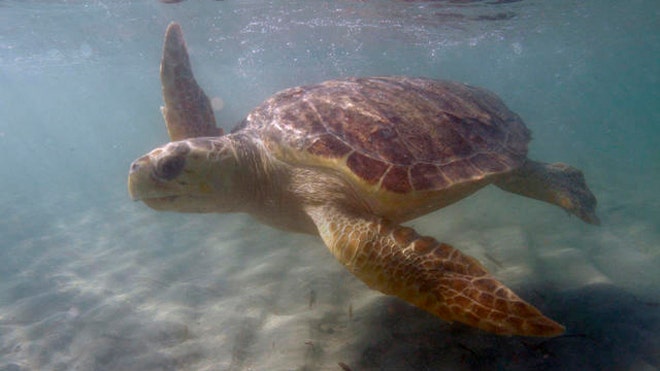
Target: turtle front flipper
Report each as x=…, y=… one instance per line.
x=188, y=112
x=558, y=183
x=431, y=275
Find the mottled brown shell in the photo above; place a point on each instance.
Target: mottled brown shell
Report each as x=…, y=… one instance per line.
x=393, y=133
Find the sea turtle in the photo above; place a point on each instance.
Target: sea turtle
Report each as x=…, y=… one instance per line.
x=350, y=160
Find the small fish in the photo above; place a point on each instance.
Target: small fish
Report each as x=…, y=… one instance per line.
x=492, y=258
x=312, y=298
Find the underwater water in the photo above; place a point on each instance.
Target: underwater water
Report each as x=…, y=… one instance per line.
x=90, y=280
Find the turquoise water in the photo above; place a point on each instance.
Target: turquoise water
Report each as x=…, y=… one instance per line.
x=90, y=280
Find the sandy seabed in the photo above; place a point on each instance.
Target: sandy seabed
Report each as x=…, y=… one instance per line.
x=132, y=289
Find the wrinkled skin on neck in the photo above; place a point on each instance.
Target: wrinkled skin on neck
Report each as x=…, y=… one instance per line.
x=227, y=174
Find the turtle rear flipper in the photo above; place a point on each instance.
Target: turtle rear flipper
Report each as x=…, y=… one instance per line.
x=431, y=275
x=558, y=183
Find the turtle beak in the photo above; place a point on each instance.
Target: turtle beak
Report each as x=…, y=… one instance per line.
x=143, y=186
x=136, y=173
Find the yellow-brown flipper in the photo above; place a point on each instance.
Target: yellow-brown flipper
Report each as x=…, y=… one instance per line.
x=188, y=112
x=431, y=275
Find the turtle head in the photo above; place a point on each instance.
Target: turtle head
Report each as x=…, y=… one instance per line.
x=192, y=175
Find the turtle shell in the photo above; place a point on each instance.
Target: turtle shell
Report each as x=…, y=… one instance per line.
x=393, y=133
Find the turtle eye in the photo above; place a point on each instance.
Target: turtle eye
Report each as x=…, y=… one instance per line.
x=169, y=167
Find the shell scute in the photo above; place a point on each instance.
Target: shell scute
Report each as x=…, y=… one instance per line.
x=397, y=180
x=366, y=167
x=461, y=170
x=396, y=133
x=302, y=116
x=428, y=176
x=488, y=164
x=328, y=146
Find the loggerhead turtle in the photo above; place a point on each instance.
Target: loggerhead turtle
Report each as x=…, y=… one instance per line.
x=350, y=160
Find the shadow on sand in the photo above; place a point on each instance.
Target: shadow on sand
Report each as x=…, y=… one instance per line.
x=607, y=329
